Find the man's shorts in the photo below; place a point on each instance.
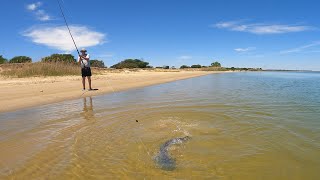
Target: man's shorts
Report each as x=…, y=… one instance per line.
x=86, y=71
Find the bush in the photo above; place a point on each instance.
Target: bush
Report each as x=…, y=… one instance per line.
x=196, y=66
x=3, y=60
x=66, y=58
x=97, y=63
x=20, y=59
x=166, y=67
x=214, y=69
x=216, y=64
x=184, y=66
x=130, y=63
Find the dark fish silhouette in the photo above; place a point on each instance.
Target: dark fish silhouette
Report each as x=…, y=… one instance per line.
x=163, y=158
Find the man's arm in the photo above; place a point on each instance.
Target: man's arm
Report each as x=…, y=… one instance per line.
x=84, y=57
x=79, y=60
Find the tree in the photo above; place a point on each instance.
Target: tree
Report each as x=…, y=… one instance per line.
x=130, y=63
x=97, y=63
x=216, y=64
x=20, y=59
x=166, y=67
x=3, y=60
x=66, y=58
x=196, y=66
x=184, y=66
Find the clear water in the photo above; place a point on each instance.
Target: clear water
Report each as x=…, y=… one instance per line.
x=262, y=125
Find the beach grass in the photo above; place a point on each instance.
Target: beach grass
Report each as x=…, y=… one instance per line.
x=42, y=69
x=39, y=69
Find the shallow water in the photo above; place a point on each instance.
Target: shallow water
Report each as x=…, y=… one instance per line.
x=262, y=125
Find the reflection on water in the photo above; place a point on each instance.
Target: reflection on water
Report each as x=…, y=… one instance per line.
x=87, y=112
x=243, y=126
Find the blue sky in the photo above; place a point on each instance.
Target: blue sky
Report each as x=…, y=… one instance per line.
x=267, y=34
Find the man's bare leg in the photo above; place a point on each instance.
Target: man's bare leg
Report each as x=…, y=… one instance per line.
x=84, y=82
x=89, y=80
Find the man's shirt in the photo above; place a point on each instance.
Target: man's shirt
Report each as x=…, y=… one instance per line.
x=84, y=63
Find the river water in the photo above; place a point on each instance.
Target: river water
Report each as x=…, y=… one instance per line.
x=257, y=125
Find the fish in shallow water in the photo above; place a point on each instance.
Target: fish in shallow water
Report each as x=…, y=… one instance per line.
x=163, y=158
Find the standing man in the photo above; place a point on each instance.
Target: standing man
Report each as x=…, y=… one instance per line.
x=84, y=61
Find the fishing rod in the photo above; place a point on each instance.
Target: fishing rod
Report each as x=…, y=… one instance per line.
x=65, y=20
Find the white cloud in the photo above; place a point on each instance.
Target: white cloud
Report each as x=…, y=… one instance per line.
x=226, y=24
x=59, y=38
x=261, y=28
x=185, y=57
x=39, y=13
x=42, y=15
x=302, y=48
x=106, y=55
x=240, y=50
x=33, y=6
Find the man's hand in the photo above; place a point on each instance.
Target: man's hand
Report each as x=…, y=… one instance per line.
x=83, y=57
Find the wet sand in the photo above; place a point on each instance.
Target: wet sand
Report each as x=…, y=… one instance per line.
x=19, y=93
x=242, y=126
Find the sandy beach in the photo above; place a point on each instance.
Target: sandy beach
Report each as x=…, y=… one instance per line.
x=19, y=93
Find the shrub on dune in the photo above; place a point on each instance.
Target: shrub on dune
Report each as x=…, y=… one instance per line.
x=20, y=59
x=131, y=63
x=3, y=60
x=65, y=58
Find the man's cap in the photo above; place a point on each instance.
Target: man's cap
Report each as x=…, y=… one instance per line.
x=83, y=50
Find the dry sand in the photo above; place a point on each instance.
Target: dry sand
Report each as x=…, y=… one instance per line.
x=19, y=93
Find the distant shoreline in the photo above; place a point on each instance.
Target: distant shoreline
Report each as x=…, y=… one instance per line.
x=20, y=93
x=284, y=70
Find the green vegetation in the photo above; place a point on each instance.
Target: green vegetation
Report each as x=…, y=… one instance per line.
x=20, y=59
x=216, y=64
x=131, y=63
x=196, y=66
x=65, y=64
x=97, y=63
x=184, y=67
x=244, y=69
x=41, y=69
x=3, y=60
x=66, y=58
x=211, y=68
x=166, y=67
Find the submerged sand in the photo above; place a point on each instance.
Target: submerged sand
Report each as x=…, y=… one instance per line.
x=18, y=93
